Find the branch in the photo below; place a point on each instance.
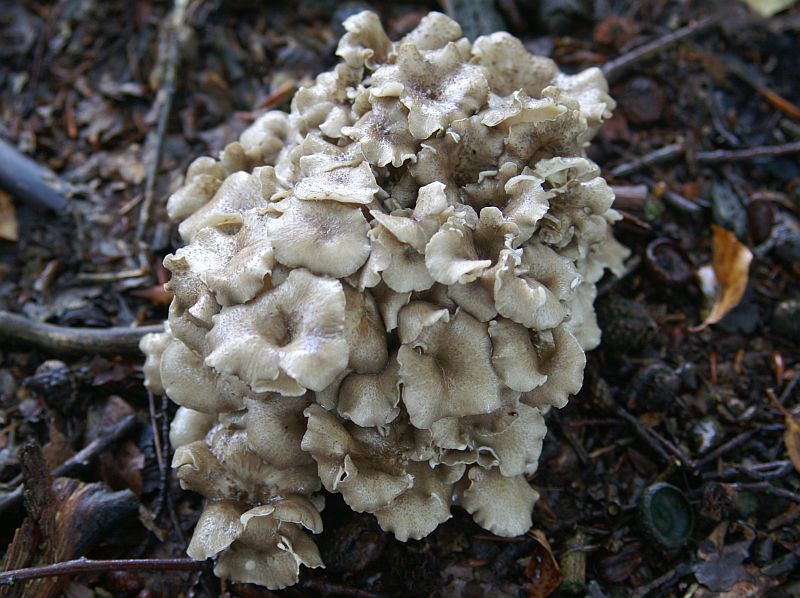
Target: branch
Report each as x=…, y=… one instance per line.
x=83, y=565
x=79, y=459
x=28, y=181
x=675, y=150
x=172, y=59
x=614, y=69
x=662, y=154
x=64, y=339
x=749, y=153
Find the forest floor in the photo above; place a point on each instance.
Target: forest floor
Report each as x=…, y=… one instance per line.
x=706, y=135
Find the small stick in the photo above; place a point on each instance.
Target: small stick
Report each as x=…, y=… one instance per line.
x=577, y=447
x=670, y=576
x=658, y=443
x=83, y=565
x=614, y=69
x=674, y=150
x=769, y=489
x=676, y=200
x=787, y=392
x=767, y=471
x=728, y=446
x=662, y=154
x=96, y=446
x=167, y=92
x=79, y=459
x=116, y=340
x=643, y=432
x=676, y=452
x=760, y=151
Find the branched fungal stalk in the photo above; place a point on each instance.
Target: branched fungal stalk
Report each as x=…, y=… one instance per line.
x=382, y=292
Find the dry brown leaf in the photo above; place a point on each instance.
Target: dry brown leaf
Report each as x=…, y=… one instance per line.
x=9, y=229
x=155, y=294
x=730, y=265
x=791, y=437
x=122, y=468
x=58, y=449
x=767, y=8
x=542, y=569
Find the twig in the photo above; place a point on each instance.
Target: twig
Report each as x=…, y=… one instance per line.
x=156, y=432
x=29, y=181
x=769, y=489
x=577, y=447
x=79, y=459
x=96, y=446
x=176, y=24
x=662, y=154
x=614, y=69
x=670, y=576
x=643, y=432
x=658, y=443
x=760, y=151
x=675, y=150
x=767, y=471
x=64, y=339
x=787, y=392
x=728, y=446
x=113, y=276
x=676, y=200
x=676, y=452
x=83, y=565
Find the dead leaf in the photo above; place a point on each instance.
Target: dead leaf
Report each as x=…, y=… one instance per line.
x=123, y=467
x=58, y=449
x=767, y=8
x=725, y=281
x=148, y=520
x=156, y=294
x=66, y=519
x=621, y=565
x=542, y=570
x=9, y=229
x=720, y=566
x=755, y=586
x=791, y=437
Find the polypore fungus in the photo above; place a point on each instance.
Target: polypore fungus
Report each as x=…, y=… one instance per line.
x=382, y=293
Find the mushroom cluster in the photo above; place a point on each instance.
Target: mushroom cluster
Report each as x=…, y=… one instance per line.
x=381, y=294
